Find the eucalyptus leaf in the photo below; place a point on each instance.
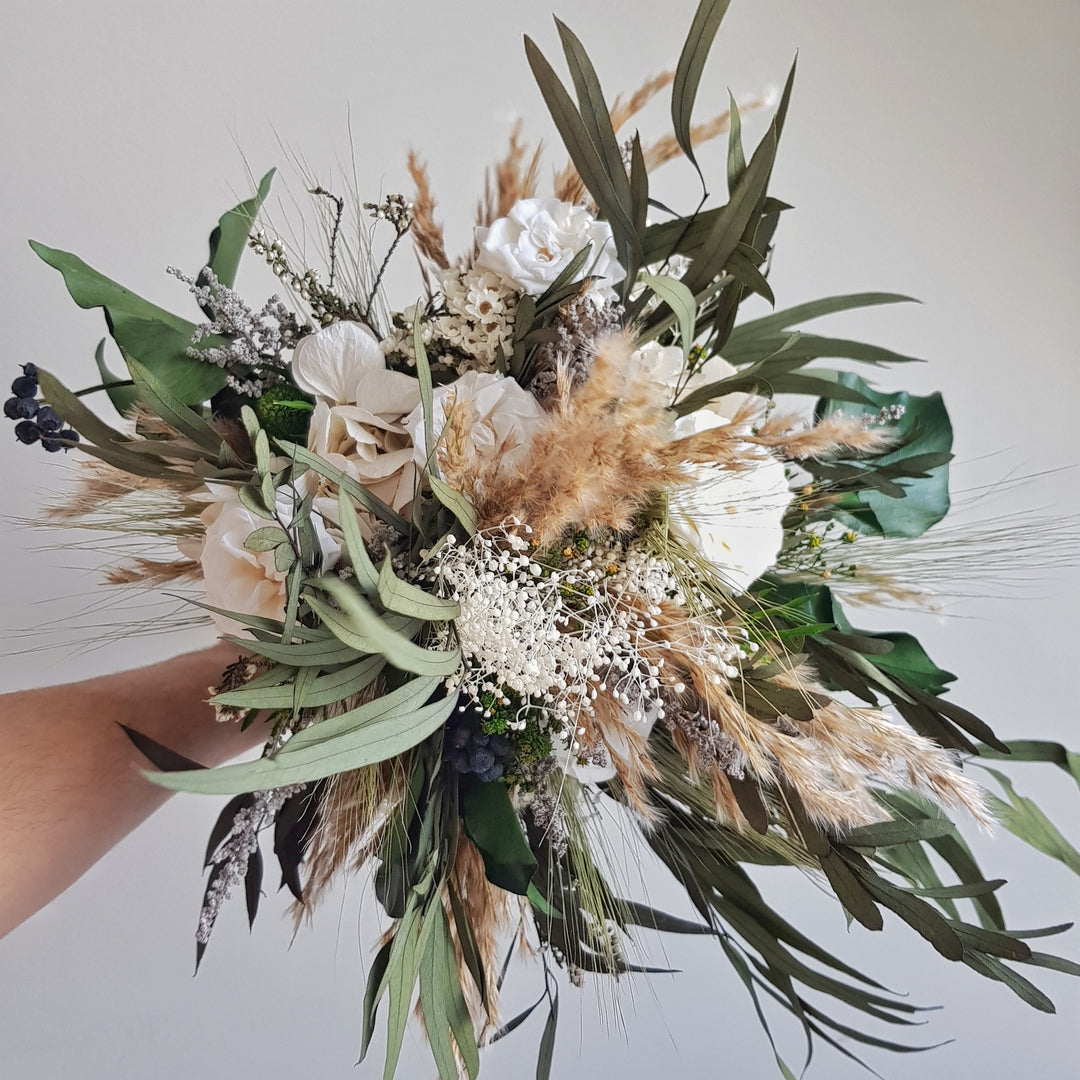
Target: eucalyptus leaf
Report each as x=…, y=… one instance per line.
x=407, y=599
x=358, y=625
x=456, y=503
x=691, y=63
x=381, y=739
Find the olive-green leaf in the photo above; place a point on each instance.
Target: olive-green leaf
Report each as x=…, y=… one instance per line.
x=121, y=396
x=684, y=88
x=681, y=301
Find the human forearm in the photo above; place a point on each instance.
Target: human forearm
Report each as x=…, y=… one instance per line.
x=70, y=786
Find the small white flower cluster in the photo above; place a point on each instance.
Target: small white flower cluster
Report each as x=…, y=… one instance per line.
x=559, y=630
x=477, y=323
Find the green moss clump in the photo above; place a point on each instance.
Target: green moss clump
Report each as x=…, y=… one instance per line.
x=285, y=413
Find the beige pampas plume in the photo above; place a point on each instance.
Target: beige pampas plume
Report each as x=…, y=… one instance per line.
x=427, y=232
x=606, y=448
x=832, y=435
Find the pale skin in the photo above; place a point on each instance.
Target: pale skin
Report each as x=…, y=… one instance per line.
x=70, y=781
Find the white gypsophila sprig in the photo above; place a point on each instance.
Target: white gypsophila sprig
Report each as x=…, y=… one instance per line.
x=560, y=635
x=235, y=851
x=253, y=358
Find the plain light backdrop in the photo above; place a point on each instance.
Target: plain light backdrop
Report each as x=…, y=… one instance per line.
x=930, y=149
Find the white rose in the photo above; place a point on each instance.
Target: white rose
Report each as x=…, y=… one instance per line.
x=357, y=422
x=533, y=244
x=733, y=518
x=243, y=581
x=507, y=416
x=665, y=364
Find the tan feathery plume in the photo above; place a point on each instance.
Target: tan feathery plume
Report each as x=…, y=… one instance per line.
x=506, y=182
x=427, y=232
x=621, y=111
x=488, y=912
x=831, y=435
x=605, y=448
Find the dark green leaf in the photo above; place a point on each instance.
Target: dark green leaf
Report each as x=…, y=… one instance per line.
x=158, y=338
x=547, y=1039
x=492, y=824
x=160, y=756
x=924, y=428
x=887, y=833
x=230, y=236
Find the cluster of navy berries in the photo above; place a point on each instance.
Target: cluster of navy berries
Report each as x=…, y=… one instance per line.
x=471, y=751
x=35, y=421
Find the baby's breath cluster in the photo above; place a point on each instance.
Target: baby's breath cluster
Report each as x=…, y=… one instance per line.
x=548, y=631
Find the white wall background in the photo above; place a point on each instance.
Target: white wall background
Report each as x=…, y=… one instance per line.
x=930, y=149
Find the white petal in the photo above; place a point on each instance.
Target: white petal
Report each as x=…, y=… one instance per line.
x=331, y=362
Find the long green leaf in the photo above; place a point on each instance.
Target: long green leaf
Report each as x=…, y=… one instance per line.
x=379, y=740
x=357, y=625
x=1023, y=818
x=409, y=696
x=367, y=577
x=579, y=145
x=681, y=301
x=157, y=337
x=684, y=88
x=407, y=599
x=122, y=397
x=325, y=690
x=158, y=396
x=230, y=236
x=344, y=482
x=456, y=503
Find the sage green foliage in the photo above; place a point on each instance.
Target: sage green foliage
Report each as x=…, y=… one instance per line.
x=415, y=858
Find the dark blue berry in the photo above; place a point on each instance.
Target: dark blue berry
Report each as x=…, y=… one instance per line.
x=20, y=408
x=457, y=738
x=481, y=759
x=69, y=435
x=30, y=369
x=500, y=745
x=51, y=443
x=48, y=420
x=26, y=431
x=24, y=386
x=488, y=775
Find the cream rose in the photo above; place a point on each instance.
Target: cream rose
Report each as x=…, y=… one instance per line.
x=243, y=581
x=507, y=416
x=532, y=245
